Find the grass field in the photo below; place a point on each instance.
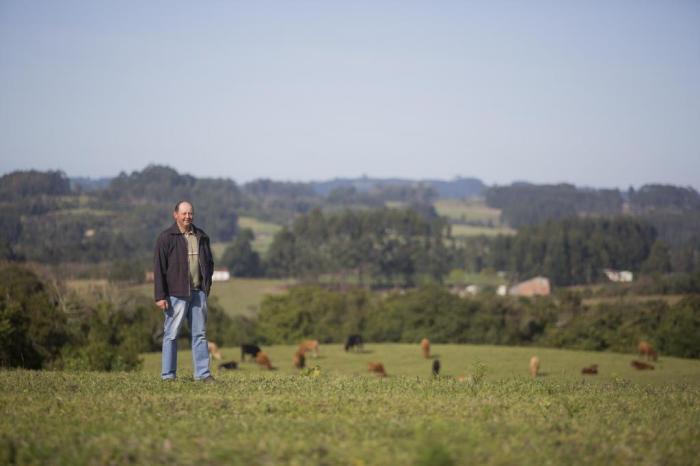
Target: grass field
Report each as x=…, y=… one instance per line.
x=460, y=213
x=501, y=362
x=238, y=296
x=671, y=299
x=264, y=234
x=342, y=415
x=468, y=211
x=471, y=230
x=242, y=296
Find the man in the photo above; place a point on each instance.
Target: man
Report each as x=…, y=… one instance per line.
x=182, y=271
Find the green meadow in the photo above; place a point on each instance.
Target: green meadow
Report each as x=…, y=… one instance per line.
x=471, y=230
x=336, y=413
x=468, y=211
x=264, y=236
x=242, y=296
x=238, y=296
x=466, y=215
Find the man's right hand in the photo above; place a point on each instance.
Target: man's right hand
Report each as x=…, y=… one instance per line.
x=162, y=304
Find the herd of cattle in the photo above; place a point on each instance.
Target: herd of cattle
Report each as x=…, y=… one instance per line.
x=355, y=342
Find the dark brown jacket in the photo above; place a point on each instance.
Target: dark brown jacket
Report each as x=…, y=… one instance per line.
x=170, y=265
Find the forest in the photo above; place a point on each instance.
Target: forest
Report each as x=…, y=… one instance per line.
x=383, y=234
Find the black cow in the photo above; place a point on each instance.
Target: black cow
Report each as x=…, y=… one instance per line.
x=231, y=365
x=354, y=341
x=436, y=367
x=250, y=349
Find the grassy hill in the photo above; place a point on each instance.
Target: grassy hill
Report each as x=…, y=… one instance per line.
x=342, y=415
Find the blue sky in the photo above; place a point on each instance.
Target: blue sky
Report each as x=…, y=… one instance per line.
x=596, y=93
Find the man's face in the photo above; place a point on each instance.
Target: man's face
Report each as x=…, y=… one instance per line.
x=184, y=215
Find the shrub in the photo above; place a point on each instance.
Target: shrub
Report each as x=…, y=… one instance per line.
x=32, y=328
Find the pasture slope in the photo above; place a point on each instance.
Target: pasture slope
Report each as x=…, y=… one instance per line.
x=339, y=414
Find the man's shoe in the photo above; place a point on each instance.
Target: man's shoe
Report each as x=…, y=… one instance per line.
x=209, y=379
x=168, y=380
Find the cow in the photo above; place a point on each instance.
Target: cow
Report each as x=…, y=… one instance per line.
x=299, y=360
x=425, y=346
x=309, y=345
x=646, y=350
x=639, y=365
x=590, y=370
x=376, y=368
x=250, y=349
x=436, y=368
x=231, y=365
x=214, y=350
x=263, y=360
x=534, y=366
x=354, y=341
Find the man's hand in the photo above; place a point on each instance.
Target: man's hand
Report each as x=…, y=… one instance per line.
x=162, y=304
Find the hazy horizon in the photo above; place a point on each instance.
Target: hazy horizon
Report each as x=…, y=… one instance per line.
x=596, y=94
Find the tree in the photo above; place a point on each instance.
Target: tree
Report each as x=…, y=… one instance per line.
x=32, y=328
x=659, y=260
x=240, y=258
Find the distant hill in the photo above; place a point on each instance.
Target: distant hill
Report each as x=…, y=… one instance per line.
x=459, y=188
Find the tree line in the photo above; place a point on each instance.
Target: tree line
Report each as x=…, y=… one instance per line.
x=394, y=247
x=674, y=211
x=571, y=251
x=48, y=220
x=431, y=311
x=348, y=232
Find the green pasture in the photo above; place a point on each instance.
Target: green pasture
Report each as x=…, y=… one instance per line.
x=471, y=230
x=242, y=296
x=467, y=211
x=462, y=212
x=500, y=362
x=264, y=235
x=339, y=414
x=264, y=232
x=671, y=299
x=238, y=296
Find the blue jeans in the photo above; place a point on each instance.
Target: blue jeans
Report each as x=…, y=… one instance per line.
x=195, y=309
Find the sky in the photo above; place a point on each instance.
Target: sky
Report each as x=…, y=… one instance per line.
x=599, y=93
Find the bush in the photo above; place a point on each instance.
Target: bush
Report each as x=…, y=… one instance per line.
x=110, y=338
x=32, y=328
x=431, y=311
x=312, y=312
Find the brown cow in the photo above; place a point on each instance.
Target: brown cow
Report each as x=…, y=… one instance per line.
x=646, y=350
x=377, y=368
x=299, y=360
x=590, y=370
x=534, y=366
x=309, y=345
x=425, y=346
x=214, y=350
x=263, y=360
x=639, y=365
